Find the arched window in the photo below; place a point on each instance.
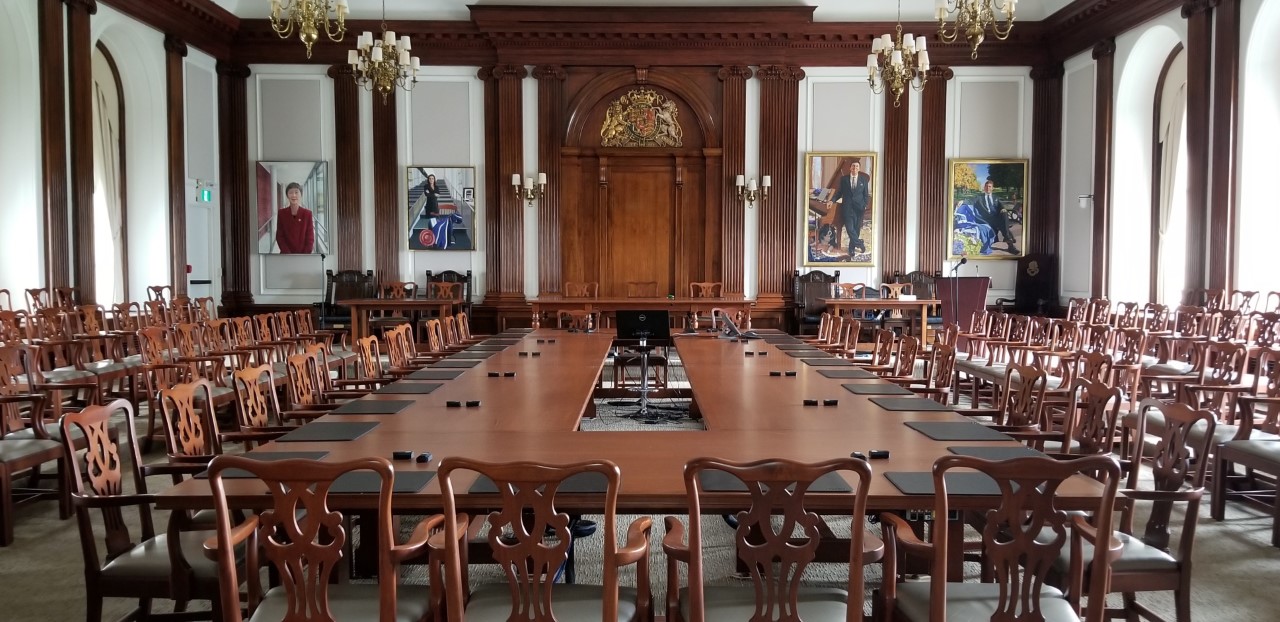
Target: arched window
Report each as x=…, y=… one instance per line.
x=109, y=242
x=1259, y=218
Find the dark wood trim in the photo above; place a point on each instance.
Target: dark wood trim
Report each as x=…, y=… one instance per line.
x=1223, y=208
x=200, y=22
x=175, y=50
x=551, y=121
x=122, y=168
x=1084, y=23
x=1046, y=158
x=897, y=152
x=932, y=243
x=1157, y=159
x=386, y=184
x=347, y=161
x=1199, y=16
x=504, y=104
x=779, y=135
x=80, y=146
x=237, y=215
x=1104, y=56
x=53, y=144
x=733, y=214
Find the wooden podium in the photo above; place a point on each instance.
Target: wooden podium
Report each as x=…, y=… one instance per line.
x=961, y=296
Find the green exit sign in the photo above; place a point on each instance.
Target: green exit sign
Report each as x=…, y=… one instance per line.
x=205, y=195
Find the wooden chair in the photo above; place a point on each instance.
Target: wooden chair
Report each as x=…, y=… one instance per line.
x=160, y=293
x=6, y=300
x=308, y=386
x=808, y=289
x=21, y=454
x=880, y=358
x=443, y=290
x=1013, y=543
x=453, y=276
x=192, y=437
x=1146, y=563
x=1089, y=427
x=707, y=289
x=590, y=289
x=145, y=565
x=777, y=538
x=303, y=540
x=38, y=299
x=530, y=539
x=936, y=384
x=577, y=320
x=339, y=287
x=895, y=317
x=258, y=411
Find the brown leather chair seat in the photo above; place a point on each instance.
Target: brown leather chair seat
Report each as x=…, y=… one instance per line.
x=149, y=561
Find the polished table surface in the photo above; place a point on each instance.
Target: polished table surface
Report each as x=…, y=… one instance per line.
x=534, y=416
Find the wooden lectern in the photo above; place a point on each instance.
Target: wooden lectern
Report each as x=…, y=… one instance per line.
x=961, y=296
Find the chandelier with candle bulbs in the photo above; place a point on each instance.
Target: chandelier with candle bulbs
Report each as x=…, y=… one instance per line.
x=309, y=18
x=897, y=60
x=384, y=63
x=973, y=18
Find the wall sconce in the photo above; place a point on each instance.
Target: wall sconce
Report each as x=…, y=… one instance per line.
x=528, y=192
x=747, y=190
x=1085, y=201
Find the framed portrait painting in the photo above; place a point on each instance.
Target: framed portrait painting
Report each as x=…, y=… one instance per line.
x=840, y=217
x=442, y=210
x=293, y=208
x=988, y=209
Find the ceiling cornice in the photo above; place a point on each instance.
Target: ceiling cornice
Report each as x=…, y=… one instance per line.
x=200, y=23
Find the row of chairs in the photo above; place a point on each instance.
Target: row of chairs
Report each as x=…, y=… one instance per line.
x=299, y=535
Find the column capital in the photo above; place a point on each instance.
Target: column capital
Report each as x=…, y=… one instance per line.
x=88, y=6
x=940, y=72
x=1105, y=47
x=1191, y=8
x=739, y=72
x=233, y=70
x=341, y=71
x=175, y=45
x=550, y=72
x=503, y=72
x=1049, y=71
x=780, y=72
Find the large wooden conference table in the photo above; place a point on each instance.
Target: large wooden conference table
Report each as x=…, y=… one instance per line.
x=361, y=308
x=534, y=415
x=922, y=306
x=550, y=305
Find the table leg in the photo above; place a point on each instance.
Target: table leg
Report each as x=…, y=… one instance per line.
x=356, y=331
x=537, y=317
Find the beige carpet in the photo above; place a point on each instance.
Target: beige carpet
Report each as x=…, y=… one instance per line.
x=1236, y=569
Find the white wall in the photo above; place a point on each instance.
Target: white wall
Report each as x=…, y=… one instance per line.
x=291, y=119
x=21, y=243
x=1260, y=129
x=139, y=54
x=989, y=111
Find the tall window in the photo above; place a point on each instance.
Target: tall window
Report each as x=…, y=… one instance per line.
x=108, y=208
x=1259, y=218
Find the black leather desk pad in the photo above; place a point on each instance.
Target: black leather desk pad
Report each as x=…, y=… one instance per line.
x=848, y=374
x=486, y=347
x=501, y=342
x=517, y=331
x=996, y=453
x=908, y=403
x=471, y=354
x=332, y=431
x=828, y=362
x=434, y=374
x=266, y=456
x=795, y=346
x=956, y=431
x=455, y=363
x=808, y=354
x=876, y=388
x=368, y=482
x=719, y=481
x=779, y=339
x=371, y=407
x=411, y=388
x=967, y=483
x=582, y=483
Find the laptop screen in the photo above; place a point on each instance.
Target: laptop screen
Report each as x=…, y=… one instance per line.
x=655, y=326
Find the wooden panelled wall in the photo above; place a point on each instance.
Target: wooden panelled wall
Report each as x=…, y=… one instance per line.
x=698, y=56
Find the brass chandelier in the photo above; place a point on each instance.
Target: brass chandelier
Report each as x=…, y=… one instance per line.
x=309, y=18
x=383, y=64
x=973, y=17
x=896, y=61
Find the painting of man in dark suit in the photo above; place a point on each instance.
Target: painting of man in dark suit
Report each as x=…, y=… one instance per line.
x=840, y=219
x=989, y=210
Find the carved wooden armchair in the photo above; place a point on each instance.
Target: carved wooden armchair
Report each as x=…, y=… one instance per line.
x=24, y=444
x=590, y=289
x=340, y=286
x=531, y=540
x=777, y=539
x=807, y=290
x=453, y=276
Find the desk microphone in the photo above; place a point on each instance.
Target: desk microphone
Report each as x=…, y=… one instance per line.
x=963, y=260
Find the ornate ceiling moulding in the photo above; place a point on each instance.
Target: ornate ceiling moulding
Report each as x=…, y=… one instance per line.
x=1081, y=24
x=200, y=23
x=436, y=42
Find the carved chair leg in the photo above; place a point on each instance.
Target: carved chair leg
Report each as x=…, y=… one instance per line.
x=93, y=606
x=6, y=506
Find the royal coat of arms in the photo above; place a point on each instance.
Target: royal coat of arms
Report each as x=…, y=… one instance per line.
x=642, y=118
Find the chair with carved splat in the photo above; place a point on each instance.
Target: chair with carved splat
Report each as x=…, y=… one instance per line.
x=808, y=290
x=302, y=538
x=143, y=565
x=258, y=410
x=1024, y=534
x=308, y=389
x=777, y=538
x=24, y=442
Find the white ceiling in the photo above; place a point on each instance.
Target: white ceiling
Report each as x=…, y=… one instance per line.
x=827, y=10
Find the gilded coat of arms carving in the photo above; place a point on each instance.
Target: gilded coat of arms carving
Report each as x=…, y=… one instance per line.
x=642, y=118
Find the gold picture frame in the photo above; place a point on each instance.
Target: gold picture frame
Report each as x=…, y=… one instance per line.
x=988, y=228
x=825, y=217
